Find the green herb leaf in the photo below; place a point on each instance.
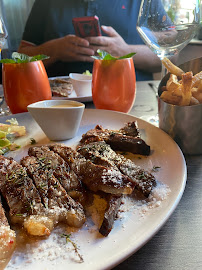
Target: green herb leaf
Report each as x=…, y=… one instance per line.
x=4, y=142
x=2, y=134
x=23, y=58
x=19, y=215
x=127, y=56
x=156, y=168
x=7, y=61
x=33, y=141
x=106, y=56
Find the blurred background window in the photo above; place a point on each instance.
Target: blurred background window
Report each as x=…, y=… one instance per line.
x=15, y=14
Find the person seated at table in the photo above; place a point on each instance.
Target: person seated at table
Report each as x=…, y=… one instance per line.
x=49, y=31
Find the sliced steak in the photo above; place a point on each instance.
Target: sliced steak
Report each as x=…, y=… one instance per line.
x=61, y=170
x=95, y=177
x=59, y=204
x=18, y=190
x=22, y=197
x=102, y=154
x=110, y=215
x=7, y=239
x=131, y=129
x=122, y=140
x=3, y=219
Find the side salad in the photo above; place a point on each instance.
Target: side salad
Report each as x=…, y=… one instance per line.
x=8, y=133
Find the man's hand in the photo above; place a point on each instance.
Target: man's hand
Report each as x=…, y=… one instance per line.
x=72, y=48
x=69, y=48
x=113, y=43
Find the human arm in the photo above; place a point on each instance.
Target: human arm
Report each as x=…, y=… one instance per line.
x=69, y=48
x=114, y=44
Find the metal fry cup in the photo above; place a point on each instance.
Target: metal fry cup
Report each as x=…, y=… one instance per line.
x=182, y=123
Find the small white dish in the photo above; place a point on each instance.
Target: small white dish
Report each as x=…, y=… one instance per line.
x=82, y=84
x=59, y=119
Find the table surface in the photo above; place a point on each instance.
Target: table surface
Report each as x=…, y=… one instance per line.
x=178, y=245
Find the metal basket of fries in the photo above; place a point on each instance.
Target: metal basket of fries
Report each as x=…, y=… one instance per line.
x=180, y=105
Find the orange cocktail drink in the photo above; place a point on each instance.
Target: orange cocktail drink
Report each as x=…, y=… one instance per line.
x=114, y=84
x=25, y=83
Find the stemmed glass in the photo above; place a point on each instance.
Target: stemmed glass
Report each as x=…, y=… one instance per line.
x=3, y=37
x=167, y=26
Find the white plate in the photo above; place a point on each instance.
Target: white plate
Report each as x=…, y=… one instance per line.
x=134, y=228
x=73, y=95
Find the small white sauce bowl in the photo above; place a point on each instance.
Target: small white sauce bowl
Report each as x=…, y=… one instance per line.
x=82, y=84
x=59, y=119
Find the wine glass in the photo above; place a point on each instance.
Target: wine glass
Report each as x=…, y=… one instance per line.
x=4, y=110
x=167, y=26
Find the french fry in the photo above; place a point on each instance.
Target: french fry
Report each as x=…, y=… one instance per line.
x=186, y=91
x=172, y=83
x=197, y=79
x=194, y=101
x=169, y=97
x=182, y=88
x=197, y=93
x=173, y=69
x=200, y=86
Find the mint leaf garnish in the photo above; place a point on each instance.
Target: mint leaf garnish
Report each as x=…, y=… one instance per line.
x=23, y=58
x=127, y=56
x=102, y=55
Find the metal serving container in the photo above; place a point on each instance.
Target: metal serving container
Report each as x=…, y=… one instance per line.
x=182, y=123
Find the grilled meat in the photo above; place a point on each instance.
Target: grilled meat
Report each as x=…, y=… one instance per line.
x=7, y=239
x=61, y=87
x=61, y=207
x=95, y=177
x=61, y=170
x=101, y=153
x=130, y=129
x=22, y=197
x=103, y=209
x=18, y=190
x=126, y=139
x=3, y=219
x=114, y=203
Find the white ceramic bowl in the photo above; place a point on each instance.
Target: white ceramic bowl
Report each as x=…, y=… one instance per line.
x=82, y=84
x=59, y=119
